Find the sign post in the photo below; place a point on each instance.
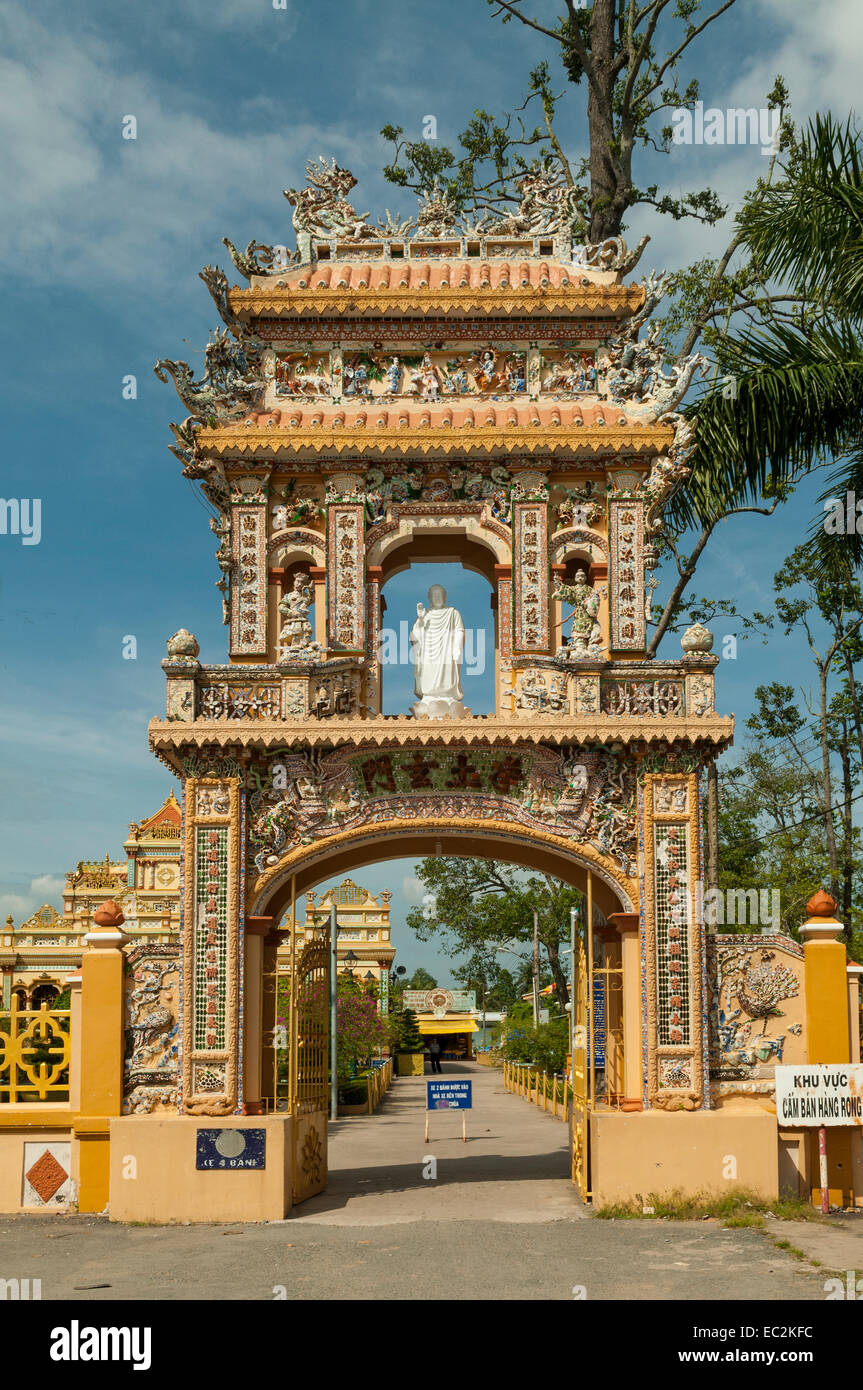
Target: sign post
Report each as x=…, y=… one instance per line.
x=820, y=1096
x=449, y=1095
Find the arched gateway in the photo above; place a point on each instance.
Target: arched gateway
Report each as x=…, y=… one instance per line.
x=477, y=396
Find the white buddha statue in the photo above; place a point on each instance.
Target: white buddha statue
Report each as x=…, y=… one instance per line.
x=437, y=640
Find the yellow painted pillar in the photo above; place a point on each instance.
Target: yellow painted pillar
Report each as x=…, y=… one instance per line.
x=102, y=1019
x=74, y=985
x=257, y=928
x=854, y=972
x=827, y=1030
x=628, y=925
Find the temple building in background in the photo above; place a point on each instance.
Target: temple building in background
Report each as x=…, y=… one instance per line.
x=364, y=933
x=38, y=954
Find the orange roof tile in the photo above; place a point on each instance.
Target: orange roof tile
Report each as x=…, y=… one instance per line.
x=486, y=413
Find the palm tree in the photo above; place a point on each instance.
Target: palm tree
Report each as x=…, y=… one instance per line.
x=798, y=374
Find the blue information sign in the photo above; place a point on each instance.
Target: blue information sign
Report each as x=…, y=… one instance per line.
x=231, y=1148
x=598, y=1024
x=449, y=1095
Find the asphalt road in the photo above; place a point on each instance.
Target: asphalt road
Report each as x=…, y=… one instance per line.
x=495, y=1218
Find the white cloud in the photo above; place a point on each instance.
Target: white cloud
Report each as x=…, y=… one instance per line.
x=45, y=888
x=82, y=204
x=240, y=14
x=412, y=889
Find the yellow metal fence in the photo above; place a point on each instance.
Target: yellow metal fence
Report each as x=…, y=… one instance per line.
x=35, y=1053
x=378, y=1083
x=552, y=1093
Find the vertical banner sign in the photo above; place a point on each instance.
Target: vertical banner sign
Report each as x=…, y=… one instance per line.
x=346, y=576
x=211, y=946
x=249, y=582
x=530, y=576
x=673, y=942
x=626, y=575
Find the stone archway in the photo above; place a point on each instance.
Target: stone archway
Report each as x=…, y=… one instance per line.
x=277, y=891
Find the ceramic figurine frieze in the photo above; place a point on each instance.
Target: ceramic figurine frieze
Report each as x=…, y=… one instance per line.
x=580, y=793
x=579, y=507
x=321, y=208
x=258, y=259
x=586, y=633
x=567, y=374
x=233, y=378
x=302, y=374
x=539, y=692
x=611, y=254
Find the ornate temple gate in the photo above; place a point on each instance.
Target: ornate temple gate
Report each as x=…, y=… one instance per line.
x=380, y=399
x=309, y=1066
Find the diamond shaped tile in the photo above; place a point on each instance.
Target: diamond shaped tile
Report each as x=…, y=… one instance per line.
x=46, y=1176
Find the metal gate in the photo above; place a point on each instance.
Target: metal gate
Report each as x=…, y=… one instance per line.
x=309, y=1067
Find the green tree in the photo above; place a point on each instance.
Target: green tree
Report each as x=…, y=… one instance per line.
x=483, y=907
x=610, y=50
x=403, y=1032
x=360, y=1031
x=798, y=375
x=421, y=979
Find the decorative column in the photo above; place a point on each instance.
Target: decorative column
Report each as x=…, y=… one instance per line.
x=276, y=584
x=627, y=624
x=102, y=1049
x=827, y=1027
x=503, y=652
x=212, y=946
x=345, y=577
x=318, y=576
x=249, y=585
x=257, y=928
x=374, y=576
x=673, y=943
x=628, y=925
x=530, y=560
x=854, y=972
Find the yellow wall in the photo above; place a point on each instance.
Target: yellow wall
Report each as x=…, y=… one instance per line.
x=154, y=1178
x=658, y=1152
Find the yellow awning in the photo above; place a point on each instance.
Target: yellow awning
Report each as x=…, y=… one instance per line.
x=434, y=1025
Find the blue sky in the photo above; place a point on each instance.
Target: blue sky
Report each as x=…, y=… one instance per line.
x=102, y=241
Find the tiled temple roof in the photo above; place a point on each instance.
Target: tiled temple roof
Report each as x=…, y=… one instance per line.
x=492, y=286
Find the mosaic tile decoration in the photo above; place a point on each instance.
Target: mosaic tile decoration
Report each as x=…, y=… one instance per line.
x=345, y=566
x=672, y=898
x=211, y=938
x=249, y=586
x=211, y=946
x=530, y=576
x=626, y=575
x=363, y=332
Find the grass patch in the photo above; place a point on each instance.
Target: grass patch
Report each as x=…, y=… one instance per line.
x=736, y=1208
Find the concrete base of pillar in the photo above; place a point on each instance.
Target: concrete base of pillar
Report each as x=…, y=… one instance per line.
x=710, y=1151
x=154, y=1177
